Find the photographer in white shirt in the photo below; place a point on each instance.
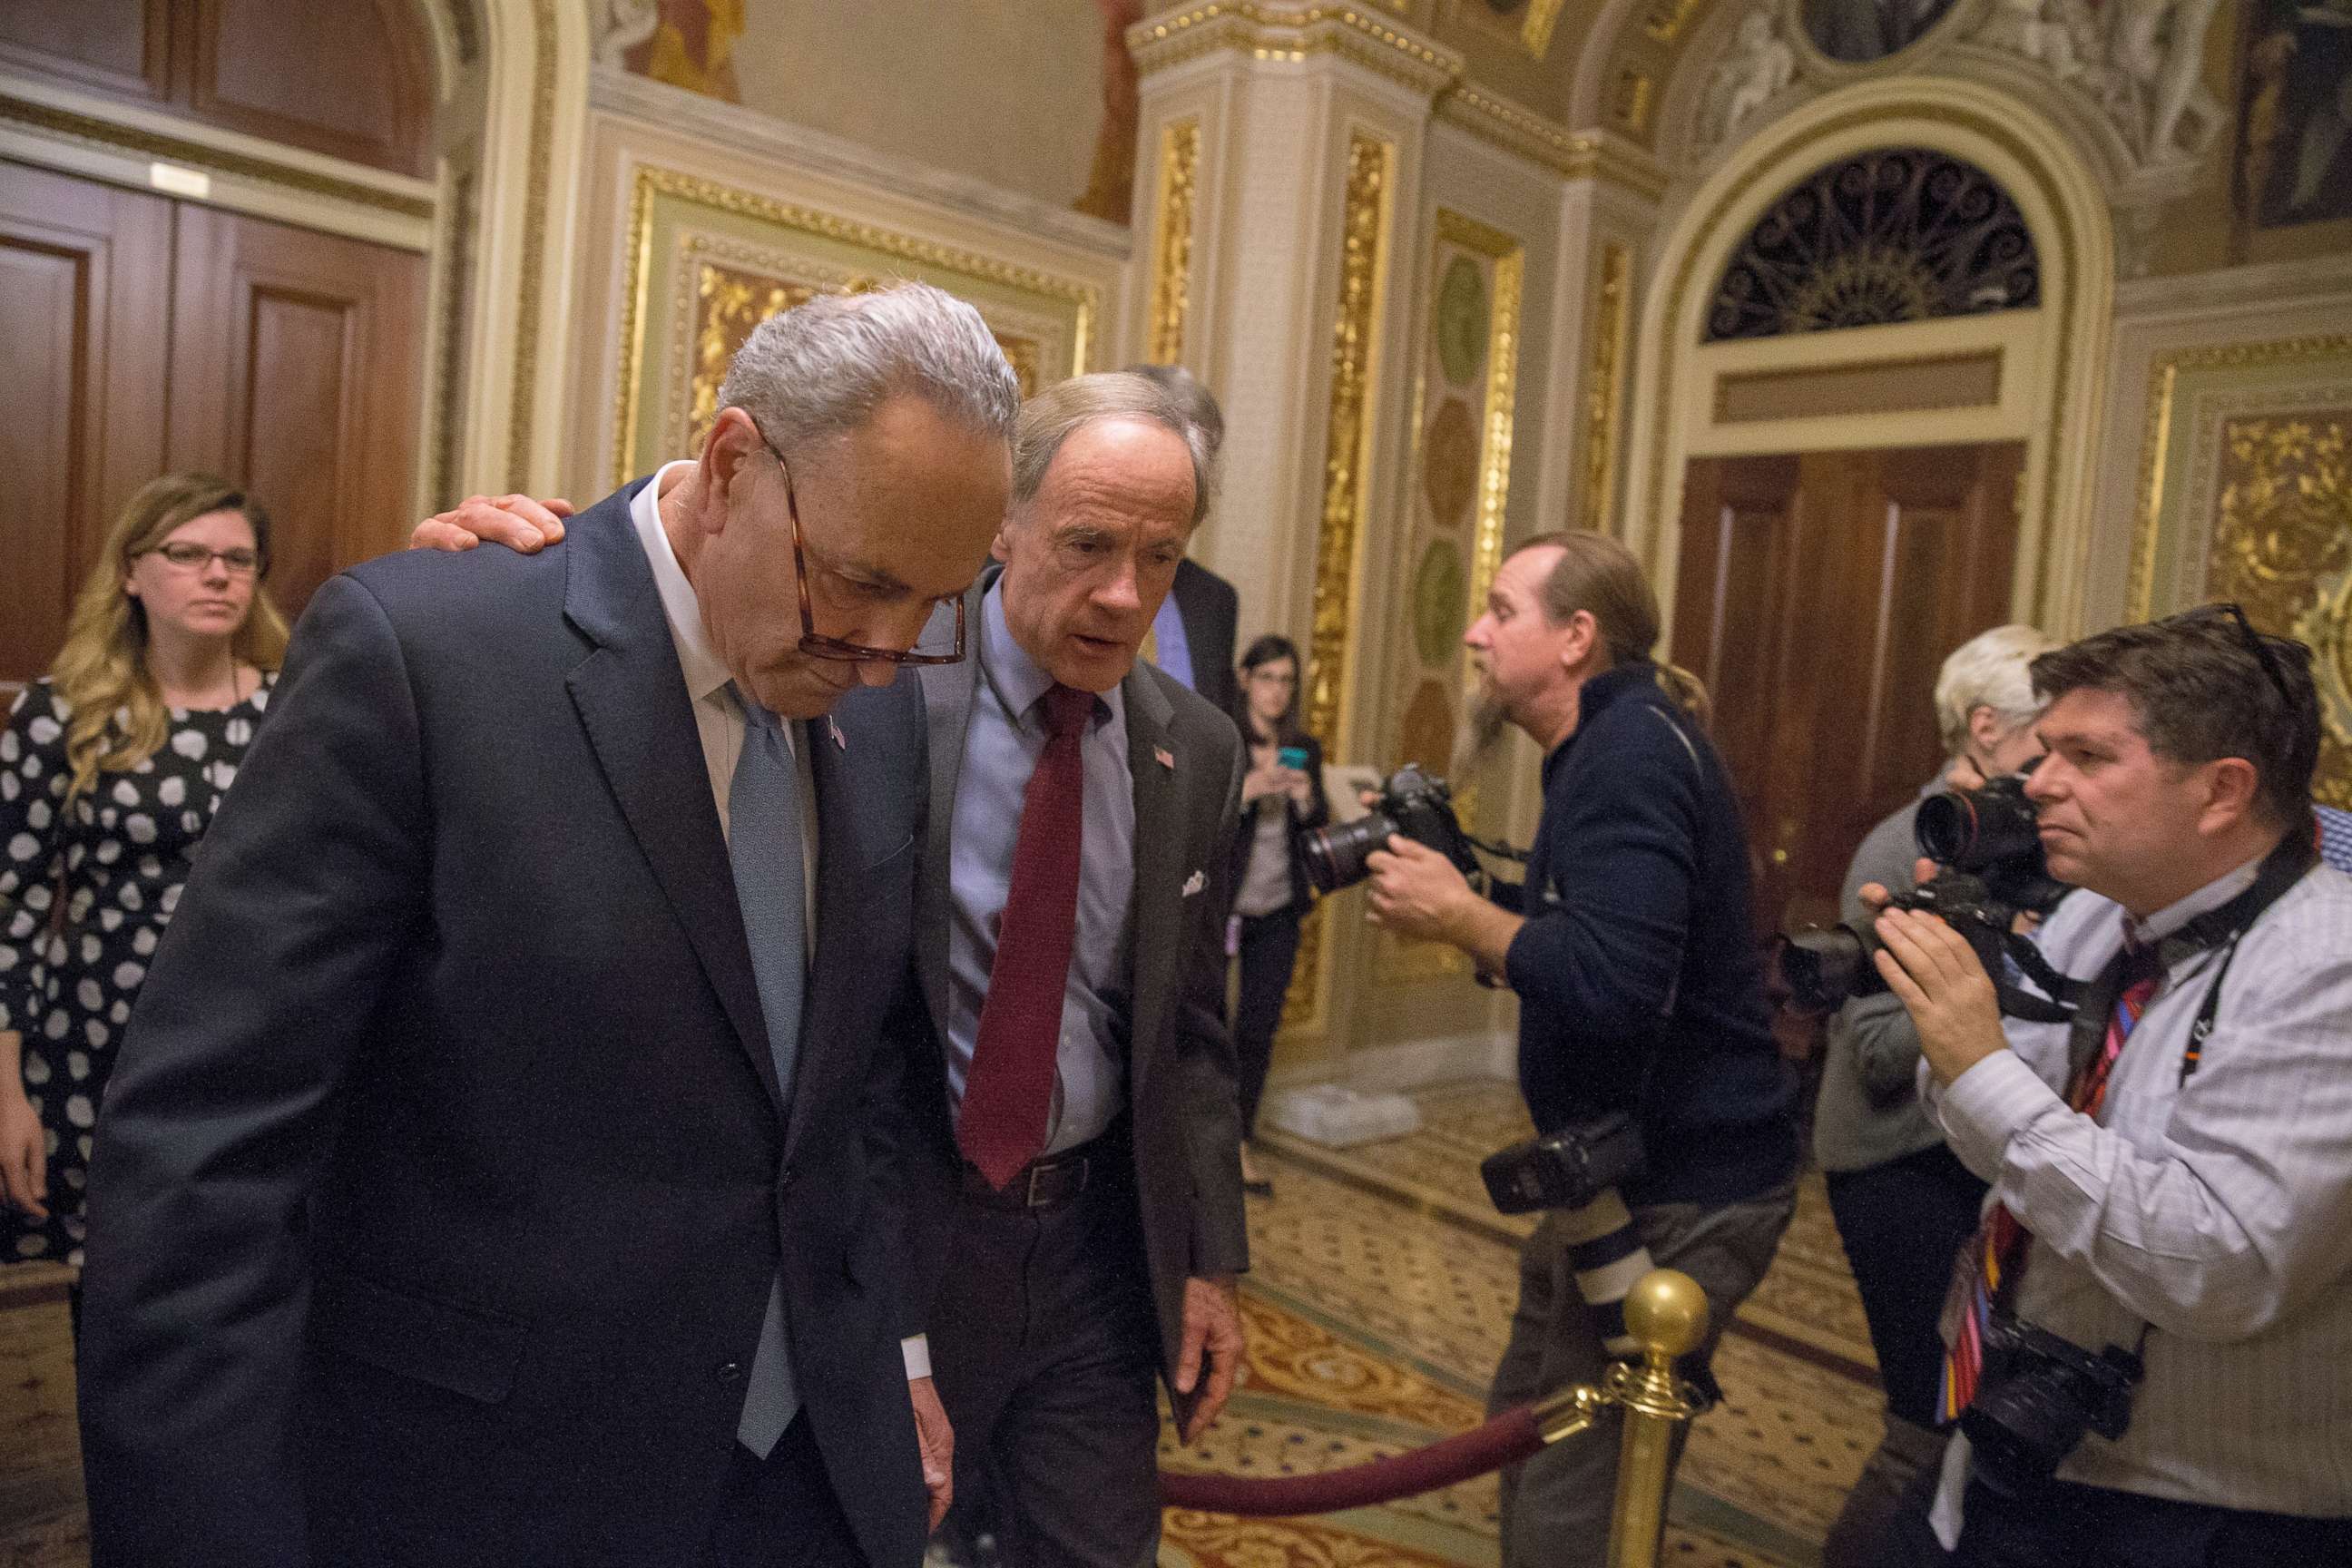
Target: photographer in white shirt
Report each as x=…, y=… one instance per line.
x=2189, y=1204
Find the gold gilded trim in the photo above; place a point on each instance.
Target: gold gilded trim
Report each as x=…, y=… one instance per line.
x=202, y=155
x=1542, y=17
x=1159, y=43
x=1502, y=395
x=1577, y=154
x=1347, y=470
x=1348, y=440
x=652, y=181
x=1171, y=254
x=1604, y=383
x=524, y=403
x=2155, y=440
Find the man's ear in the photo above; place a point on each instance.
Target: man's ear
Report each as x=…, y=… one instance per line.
x=1985, y=727
x=2230, y=786
x=1583, y=634
x=733, y=441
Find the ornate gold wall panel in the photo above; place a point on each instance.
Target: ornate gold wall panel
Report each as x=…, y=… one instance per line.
x=2246, y=494
x=1171, y=247
x=521, y=410
x=1348, y=452
x=1604, y=383
x=1455, y=508
x=707, y=263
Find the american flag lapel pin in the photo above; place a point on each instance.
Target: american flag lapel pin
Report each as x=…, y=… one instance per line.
x=833, y=728
x=1164, y=757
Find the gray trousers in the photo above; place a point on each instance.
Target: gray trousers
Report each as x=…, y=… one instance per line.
x=1046, y=1349
x=1556, y=1505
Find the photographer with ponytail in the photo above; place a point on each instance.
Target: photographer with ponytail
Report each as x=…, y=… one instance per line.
x=110, y=770
x=1640, y=987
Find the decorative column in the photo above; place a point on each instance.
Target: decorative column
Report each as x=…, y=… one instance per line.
x=1278, y=199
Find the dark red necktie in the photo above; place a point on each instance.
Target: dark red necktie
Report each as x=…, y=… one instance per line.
x=1008, y=1094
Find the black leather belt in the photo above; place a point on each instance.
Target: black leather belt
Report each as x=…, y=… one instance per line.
x=1055, y=1178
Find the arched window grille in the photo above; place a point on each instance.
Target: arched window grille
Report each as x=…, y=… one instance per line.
x=1901, y=234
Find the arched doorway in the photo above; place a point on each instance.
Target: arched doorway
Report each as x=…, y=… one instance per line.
x=1870, y=349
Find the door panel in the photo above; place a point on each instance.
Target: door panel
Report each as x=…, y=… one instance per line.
x=118, y=45
x=295, y=371
x=1818, y=595
x=85, y=273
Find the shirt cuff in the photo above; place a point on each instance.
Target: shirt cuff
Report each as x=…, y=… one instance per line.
x=917, y=1351
x=1988, y=1105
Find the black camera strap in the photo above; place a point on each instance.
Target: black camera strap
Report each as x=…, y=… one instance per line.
x=2224, y=927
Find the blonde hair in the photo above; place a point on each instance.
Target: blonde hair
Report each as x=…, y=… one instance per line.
x=1599, y=577
x=116, y=718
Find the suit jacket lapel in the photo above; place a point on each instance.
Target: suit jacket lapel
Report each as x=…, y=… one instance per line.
x=949, y=692
x=632, y=703
x=1158, y=918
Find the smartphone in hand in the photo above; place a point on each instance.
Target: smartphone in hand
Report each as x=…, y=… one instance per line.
x=1292, y=757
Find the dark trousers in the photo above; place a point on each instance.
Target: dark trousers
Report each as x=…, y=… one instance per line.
x=1556, y=1506
x=1045, y=1349
x=780, y=1511
x=1268, y=952
x=2062, y=1525
x=1902, y=1223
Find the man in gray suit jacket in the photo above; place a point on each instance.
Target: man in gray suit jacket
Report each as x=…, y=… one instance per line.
x=512, y=1156
x=1090, y=1248
x=1106, y=1259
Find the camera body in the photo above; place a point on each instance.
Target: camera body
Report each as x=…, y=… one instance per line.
x=2039, y=1395
x=1564, y=1170
x=1989, y=847
x=1412, y=802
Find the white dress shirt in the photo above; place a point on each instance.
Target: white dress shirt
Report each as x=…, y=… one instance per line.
x=2217, y=1212
x=718, y=720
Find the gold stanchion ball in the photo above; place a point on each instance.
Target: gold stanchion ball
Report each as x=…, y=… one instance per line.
x=1666, y=1311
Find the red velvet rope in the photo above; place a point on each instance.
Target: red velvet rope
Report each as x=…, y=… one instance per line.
x=1505, y=1440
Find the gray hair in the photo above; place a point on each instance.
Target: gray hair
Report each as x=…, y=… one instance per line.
x=825, y=367
x=1059, y=412
x=1991, y=669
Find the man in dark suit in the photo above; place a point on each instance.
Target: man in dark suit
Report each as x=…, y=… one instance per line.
x=1100, y=1226
x=511, y=1160
x=1196, y=627
x=1087, y=1226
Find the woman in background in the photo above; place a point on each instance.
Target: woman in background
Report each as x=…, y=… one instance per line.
x=110, y=769
x=1281, y=794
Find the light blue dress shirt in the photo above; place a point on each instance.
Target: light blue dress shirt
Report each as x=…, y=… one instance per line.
x=1001, y=747
x=1173, y=653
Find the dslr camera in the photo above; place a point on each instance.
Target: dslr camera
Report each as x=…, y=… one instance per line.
x=1987, y=844
x=2038, y=1394
x=1412, y=804
x=1566, y=1169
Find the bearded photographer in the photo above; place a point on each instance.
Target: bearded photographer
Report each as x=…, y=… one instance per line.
x=2151, y=1337
x=1641, y=991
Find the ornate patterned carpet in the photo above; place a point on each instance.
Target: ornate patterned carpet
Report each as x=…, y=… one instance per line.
x=1380, y=1293
x=1382, y=1289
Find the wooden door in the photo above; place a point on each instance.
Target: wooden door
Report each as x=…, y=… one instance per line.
x=85, y=303
x=1816, y=596
x=296, y=366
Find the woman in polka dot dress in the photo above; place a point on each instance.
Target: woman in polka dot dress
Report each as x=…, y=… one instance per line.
x=110, y=769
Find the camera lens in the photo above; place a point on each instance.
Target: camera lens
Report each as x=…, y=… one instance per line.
x=1335, y=856
x=1979, y=829
x=1820, y=969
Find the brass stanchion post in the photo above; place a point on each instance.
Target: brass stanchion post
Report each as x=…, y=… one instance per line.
x=1666, y=1314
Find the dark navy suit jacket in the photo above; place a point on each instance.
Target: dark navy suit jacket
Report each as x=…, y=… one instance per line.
x=444, y=1171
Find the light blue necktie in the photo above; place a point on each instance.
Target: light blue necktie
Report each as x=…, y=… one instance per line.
x=763, y=841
